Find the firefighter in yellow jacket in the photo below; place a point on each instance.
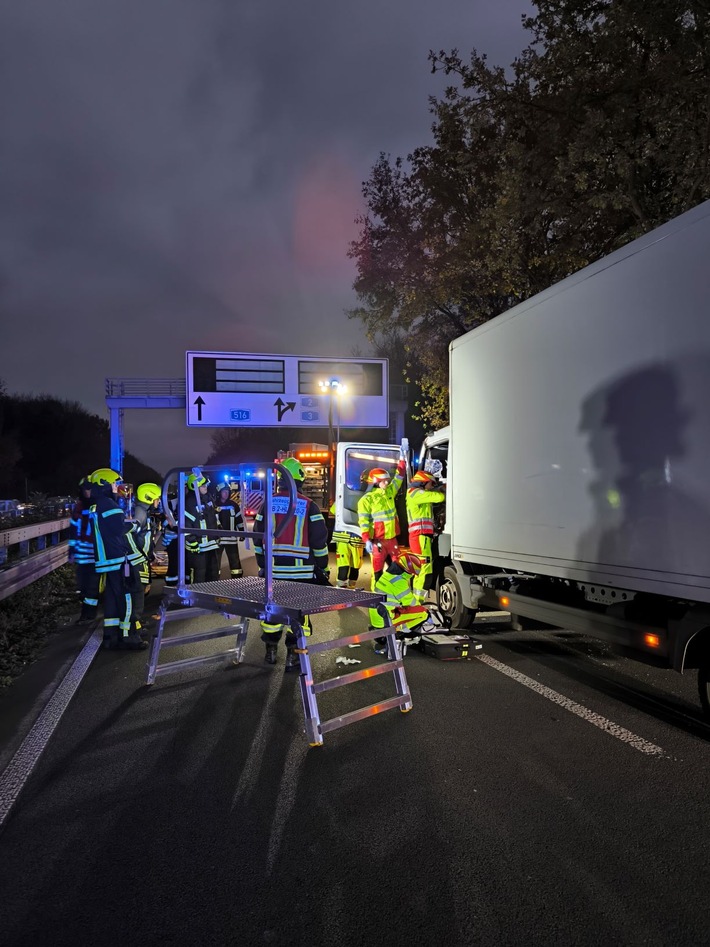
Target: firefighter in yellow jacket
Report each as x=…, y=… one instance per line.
x=404, y=612
x=422, y=494
x=377, y=516
x=348, y=556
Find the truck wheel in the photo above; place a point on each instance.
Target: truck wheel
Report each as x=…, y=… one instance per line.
x=450, y=600
x=704, y=684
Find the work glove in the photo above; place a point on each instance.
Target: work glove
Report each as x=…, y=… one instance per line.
x=368, y=546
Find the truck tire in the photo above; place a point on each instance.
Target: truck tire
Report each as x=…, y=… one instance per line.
x=450, y=600
x=704, y=684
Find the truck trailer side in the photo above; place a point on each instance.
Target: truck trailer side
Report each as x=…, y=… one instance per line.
x=578, y=461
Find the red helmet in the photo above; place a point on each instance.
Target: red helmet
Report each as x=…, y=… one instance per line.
x=378, y=473
x=409, y=561
x=422, y=476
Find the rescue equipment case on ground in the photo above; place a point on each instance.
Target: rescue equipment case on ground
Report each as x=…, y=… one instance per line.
x=450, y=647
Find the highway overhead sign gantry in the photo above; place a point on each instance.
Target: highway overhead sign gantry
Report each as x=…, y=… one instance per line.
x=244, y=389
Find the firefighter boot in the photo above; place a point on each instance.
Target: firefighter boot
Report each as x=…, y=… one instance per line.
x=293, y=662
x=270, y=656
x=133, y=641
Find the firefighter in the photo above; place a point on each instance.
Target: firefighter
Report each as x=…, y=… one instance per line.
x=300, y=554
x=111, y=551
x=348, y=556
x=404, y=612
x=140, y=540
x=201, y=549
x=230, y=517
x=81, y=553
x=422, y=494
x=377, y=516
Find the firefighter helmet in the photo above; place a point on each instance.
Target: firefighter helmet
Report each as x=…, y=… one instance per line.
x=409, y=561
x=224, y=486
x=105, y=475
x=194, y=481
x=148, y=492
x=295, y=468
x=423, y=476
x=377, y=474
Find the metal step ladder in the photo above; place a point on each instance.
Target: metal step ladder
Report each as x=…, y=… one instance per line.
x=310, y=689
x=284, y=602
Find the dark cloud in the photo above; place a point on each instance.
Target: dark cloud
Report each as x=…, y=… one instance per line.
x=184, y=174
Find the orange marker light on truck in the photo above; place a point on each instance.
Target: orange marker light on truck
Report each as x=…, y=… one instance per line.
x=504, y=601
x=651, y=641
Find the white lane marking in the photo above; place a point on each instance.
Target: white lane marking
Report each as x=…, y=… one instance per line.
x=626, y=736
x=25, y=759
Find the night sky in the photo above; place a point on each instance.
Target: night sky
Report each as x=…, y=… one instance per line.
x=185, y=174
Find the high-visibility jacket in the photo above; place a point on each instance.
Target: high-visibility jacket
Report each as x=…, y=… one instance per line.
x=420, y=504
x=198, y=517
x=376, y=513
x=302, y=548
x=109, y=530
x=396, y=586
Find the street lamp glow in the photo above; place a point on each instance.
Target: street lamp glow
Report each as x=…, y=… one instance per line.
x=332, y=387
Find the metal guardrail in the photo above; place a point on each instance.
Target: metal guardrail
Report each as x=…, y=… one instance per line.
x=36, y=550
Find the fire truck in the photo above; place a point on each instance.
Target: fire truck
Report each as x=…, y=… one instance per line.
x=318, y=462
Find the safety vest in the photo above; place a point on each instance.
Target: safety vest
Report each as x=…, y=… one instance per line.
x=420, y=504
x=303, y=545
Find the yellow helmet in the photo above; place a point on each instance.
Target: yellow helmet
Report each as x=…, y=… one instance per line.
x=194, y=481
x=295, y=468
x=105, y=475
x=148, y=492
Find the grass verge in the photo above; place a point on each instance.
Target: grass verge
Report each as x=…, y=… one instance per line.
x=30, y=616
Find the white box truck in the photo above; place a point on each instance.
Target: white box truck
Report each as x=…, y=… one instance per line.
x=577, y=458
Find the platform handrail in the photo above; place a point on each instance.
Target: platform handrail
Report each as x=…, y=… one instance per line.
x=272, y=470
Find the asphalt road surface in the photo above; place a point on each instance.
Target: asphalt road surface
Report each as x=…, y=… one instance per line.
x=550, y=792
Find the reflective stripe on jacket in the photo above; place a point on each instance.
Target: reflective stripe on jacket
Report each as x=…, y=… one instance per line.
x=419, y=510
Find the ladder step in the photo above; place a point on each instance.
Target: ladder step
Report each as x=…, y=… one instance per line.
x=199, y=636
x=336, y=722
x=171, y=666
x=362, y=675
x=352, y=639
